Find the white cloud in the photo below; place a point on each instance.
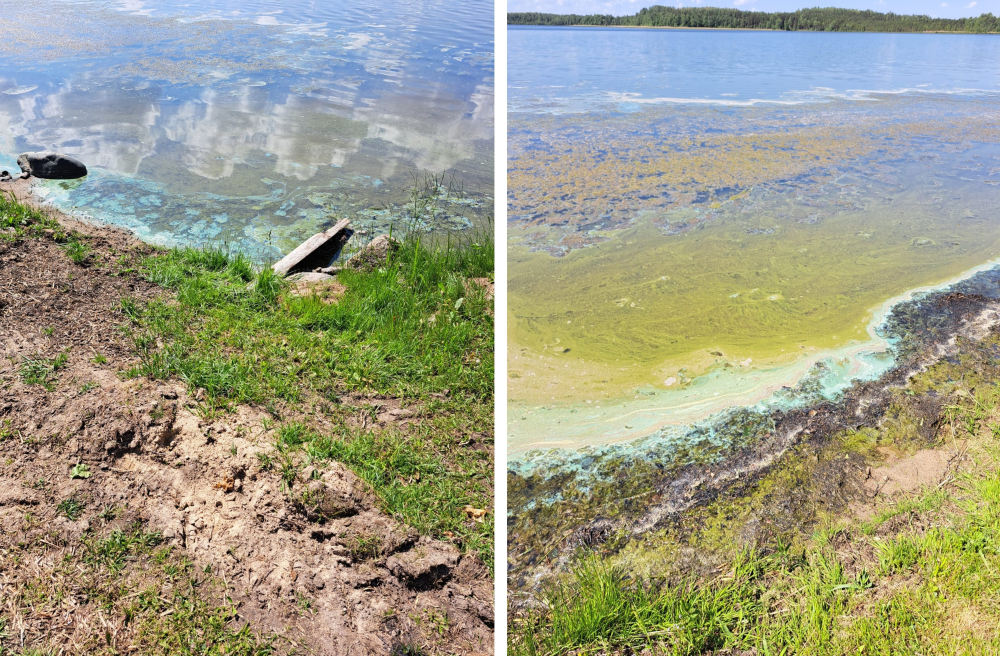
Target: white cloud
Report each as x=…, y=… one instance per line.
x=971, y=5
x=741, y=2
x=944, y=4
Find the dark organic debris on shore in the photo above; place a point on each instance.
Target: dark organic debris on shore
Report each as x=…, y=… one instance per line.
x=604, y=501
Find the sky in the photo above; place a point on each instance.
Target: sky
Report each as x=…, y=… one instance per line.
x=937, y=8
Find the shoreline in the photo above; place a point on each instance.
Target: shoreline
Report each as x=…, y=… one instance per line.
x=137, y=406
x=23, y=191
x=605, y=499
x=612, y=431
x=751, y=29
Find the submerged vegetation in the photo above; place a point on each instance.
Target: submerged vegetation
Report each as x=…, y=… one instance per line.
x=754, y=240
x=829, y=19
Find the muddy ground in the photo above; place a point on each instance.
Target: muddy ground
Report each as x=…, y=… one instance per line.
x=199, y=483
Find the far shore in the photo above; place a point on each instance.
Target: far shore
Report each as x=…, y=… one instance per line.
x=751, y=29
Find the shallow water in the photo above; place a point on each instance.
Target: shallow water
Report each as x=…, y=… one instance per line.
x=671, y=260
x=255, y=124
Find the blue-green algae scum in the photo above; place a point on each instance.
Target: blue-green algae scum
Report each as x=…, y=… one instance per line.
x=256, y=124
x=693, y=229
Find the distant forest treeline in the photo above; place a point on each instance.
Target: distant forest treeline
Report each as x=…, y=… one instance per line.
x=819, y=20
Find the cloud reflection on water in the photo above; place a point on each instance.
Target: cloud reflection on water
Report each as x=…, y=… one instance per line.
x=218, y=101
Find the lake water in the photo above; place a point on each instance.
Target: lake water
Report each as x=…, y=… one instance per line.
x=700, y=220
x=578, y=69
x=255, y=124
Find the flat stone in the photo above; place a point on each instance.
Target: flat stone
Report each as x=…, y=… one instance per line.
x=316, y=252
x=51, y=166
x=309, y=276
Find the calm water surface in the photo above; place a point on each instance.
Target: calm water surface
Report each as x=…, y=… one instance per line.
x=257, y=123
x=702, y=220
x=574, y=69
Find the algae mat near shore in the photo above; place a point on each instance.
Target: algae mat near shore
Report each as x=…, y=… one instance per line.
x=674, y=262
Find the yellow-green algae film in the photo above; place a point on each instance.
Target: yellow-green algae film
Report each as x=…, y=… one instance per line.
x=668, y=263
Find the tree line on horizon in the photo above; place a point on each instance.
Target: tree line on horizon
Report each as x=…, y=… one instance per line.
x=828, y=19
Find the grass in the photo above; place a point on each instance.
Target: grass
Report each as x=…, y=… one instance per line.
x=36, y=371
x=929, y=592
x=115, y=550
x=918, y=577
x=365, y=547
x=398, y=331
x=18, y=220
x=40, y=371
x=78, y=251
x=415, y=329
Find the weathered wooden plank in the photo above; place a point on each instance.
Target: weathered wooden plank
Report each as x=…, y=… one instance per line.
x=317, y=251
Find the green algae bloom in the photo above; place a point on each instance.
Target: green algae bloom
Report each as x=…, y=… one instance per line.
x=727, y=253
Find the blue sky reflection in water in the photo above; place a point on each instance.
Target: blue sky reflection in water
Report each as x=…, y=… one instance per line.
x=582, y=68
x=255, y=124
x=701, y=220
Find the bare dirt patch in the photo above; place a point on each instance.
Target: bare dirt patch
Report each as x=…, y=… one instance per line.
x=925, y=468
x=311, y=557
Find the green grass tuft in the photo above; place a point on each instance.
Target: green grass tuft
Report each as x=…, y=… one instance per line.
x=70, y=508
x=78, y=251
x=118, y=548
x=19, y=220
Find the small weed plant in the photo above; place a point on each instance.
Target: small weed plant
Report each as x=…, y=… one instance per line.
x=70, y=508
x=78, y=251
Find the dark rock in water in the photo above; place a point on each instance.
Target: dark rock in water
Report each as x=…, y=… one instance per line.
x=53, y=166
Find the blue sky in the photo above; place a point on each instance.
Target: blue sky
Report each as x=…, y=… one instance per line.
x=948, y=9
